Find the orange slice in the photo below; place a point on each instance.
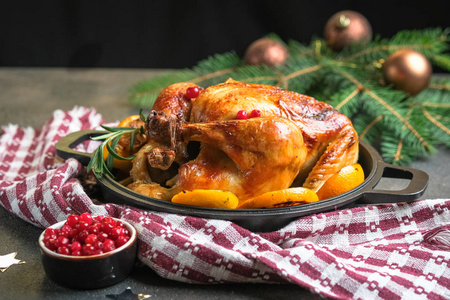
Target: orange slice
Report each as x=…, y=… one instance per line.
x=281, y=198
x=343, y=181
x=207, y=198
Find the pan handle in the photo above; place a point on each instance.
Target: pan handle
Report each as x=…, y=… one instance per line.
x=416, y=187
x=64, y=147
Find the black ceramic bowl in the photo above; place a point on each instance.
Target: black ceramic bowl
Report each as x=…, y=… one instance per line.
x=90, y=272
x=263, y=219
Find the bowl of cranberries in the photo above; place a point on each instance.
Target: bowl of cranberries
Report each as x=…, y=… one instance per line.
x=88, y=252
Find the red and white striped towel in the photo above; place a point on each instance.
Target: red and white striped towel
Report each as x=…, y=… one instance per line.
x=389, y=251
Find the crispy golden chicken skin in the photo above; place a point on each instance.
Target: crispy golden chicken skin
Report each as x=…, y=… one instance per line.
x=297, y=140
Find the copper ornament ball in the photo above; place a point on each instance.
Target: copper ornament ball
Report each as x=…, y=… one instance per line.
x=408, y=70
x=345, y=28
x=266, y=51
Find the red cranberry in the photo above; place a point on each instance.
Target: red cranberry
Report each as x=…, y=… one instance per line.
x=50, y=245
x=255, y=113
x=87, y=250
x=65, y=233
x=192, y=92
x=73, y=232
x=99, y=218
x=66, y=227
x=106, y=227
x=108, y=245
x=95, y=228
x=63, y=250
x=83, y=225
x=83, y=235
x=49, y=231
x=86, y=217
x=109, y=220
x=242, y=115
x=126, y=231
x=98, y=245
x=50, y=234
x=90, y=239
x=62, y=241
x=121, y=240
x=116, y=232
x=102, y=236
x=72, y=220
x=75, y=246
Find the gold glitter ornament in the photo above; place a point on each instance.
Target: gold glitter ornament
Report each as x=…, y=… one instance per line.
x=345, y=28
x=408, y=70
x=266, y=51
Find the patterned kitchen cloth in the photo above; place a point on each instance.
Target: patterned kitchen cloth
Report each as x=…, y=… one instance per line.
x=391, y=251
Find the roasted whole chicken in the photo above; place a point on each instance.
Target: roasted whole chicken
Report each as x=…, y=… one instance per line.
x=200, y=143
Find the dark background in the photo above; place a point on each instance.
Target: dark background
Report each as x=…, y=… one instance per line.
x=177, y=34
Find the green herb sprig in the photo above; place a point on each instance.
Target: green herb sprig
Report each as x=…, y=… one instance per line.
x=110, y=140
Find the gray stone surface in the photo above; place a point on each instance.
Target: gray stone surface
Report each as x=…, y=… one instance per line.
x=29, y=96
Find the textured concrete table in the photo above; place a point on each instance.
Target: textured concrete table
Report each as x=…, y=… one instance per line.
x=29, y=96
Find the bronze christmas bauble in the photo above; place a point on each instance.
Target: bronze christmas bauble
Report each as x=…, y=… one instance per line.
x=345, y=28
x=266, y=51
x=408, y=70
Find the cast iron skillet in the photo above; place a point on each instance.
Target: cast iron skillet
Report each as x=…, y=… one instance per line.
x=262, y=219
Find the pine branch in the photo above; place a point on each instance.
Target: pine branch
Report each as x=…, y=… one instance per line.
x=369, y=129
x=442, y=61
x=434, y=104
x=144, y=93
x=207, y=72
x=395, y=151
x=429, y=42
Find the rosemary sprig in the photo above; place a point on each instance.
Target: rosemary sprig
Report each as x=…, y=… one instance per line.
x=110, y=140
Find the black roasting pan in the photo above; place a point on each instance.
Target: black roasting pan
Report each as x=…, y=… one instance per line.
x=262, y=219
